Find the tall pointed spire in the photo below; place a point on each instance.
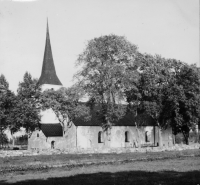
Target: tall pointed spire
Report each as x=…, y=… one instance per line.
x=48, y=75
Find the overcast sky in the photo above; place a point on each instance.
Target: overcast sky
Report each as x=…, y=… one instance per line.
x=166, y=27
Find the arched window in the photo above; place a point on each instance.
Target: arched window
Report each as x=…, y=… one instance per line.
x=127, y=136
x=100, y=137
x=147, y=136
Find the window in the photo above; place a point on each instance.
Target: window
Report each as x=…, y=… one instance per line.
x=127, y=136
x=100, y=137
x=37, y=134
x=147, y=136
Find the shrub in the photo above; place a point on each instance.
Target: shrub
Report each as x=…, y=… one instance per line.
x=3, y=139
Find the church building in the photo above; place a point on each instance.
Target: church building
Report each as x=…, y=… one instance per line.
x=89, y=134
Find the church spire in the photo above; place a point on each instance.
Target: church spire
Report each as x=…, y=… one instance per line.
x=48, y=75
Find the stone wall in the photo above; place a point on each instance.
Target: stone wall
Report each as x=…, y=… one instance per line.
x=39, y=141
x=167, y=137
x=135, y=136
x=87, y=137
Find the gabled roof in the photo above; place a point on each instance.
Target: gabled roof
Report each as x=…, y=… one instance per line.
x=48, y=75
x=128, y=120
x=52, y=130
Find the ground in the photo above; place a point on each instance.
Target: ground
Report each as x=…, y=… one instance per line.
x=175, y=167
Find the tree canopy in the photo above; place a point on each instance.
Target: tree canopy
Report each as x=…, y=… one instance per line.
x=65, y=104
x=168, y=91
x=7, y=102
x=182, y=99
x=103, y=74
x=117, y=78
x=26, y=112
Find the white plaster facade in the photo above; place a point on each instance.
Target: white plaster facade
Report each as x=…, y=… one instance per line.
x=50, y=86
x=87, y=137
x=48, y=116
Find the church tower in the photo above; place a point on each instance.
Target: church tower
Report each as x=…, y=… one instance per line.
x=49, y=78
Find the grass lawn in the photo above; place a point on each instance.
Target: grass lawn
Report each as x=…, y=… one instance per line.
x=175, y=167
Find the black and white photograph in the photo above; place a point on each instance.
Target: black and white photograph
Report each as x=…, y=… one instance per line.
x=99, y=92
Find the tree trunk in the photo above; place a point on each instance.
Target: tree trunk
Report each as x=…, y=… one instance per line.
x=186, y=137
x=173, y=137
x=160, y=140
x=1, y=139
x=13, y=140
x=139, y=138
x=108, y=130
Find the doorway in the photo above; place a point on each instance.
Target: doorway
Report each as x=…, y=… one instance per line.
x=52, y=144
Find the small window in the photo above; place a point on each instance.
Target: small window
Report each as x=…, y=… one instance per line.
x=100, y=137
x=37, y=134
x=127, y=136
x=147, y=137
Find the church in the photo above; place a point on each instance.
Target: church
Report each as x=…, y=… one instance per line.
x=89, y=134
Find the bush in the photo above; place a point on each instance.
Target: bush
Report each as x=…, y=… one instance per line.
x=194, y=137
x=3, y=139
x=22, y=140
x=179, y=138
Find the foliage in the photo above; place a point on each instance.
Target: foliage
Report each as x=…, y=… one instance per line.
x=21, y=140
x=64, y=102
x=168, y=91
x=26, y=112
x=145, y=94
x=3, y=139
x=112, y=73
x=182, y=99
x=3, y=82
x=7, y=99
x=102, y=77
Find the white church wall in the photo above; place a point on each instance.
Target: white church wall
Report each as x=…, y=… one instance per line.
x=37, y=141
x=48, y=116
x=134, y=137
x=87, y=137
x=167, y=137
x=50, y=86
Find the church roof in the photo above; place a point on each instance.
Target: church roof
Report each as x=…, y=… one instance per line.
x=52, y=130
x=127, y=120
x=48, y=75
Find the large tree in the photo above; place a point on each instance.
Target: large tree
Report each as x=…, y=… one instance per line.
x=65, y=104
x=7, y=102
x=182, y=98
x=104, y=64
x=26, y=112
x=168, y=91
x=145, y=94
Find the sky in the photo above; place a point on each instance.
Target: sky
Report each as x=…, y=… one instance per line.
x=169, y=28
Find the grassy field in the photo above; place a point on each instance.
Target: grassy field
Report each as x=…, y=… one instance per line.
x=177, y=167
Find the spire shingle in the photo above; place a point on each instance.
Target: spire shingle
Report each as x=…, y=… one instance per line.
x=48, y=75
